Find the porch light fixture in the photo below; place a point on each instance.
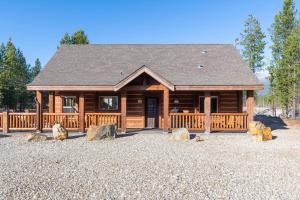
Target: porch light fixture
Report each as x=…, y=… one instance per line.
x=140, y=101
x=176, y=101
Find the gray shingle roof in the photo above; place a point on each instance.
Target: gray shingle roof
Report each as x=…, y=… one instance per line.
x=177, y=63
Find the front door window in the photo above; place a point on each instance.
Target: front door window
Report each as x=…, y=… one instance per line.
x=151, y=112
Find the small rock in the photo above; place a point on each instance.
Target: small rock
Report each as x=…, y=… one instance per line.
x=36, y=137
x=197, y=139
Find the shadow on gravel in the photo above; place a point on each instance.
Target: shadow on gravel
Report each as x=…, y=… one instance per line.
x=126, y=134
x=4, y=136
x=274, y=137
x=192, y=136
x=273, y=122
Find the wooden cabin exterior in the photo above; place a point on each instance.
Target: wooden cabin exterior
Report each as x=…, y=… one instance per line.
x=144, y=98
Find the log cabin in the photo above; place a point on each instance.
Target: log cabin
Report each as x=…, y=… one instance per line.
x=201, y=87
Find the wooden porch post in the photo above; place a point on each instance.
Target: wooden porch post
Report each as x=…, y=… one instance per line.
x=81, y=113
x=39, y=108
x=250, y=105
x=123, y=111
x=51, y=102
x=166, y=110
x=5, y=122
x=207, y=106
x=240, y=101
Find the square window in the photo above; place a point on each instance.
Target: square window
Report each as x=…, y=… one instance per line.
x=108, y=102
x=69, y=104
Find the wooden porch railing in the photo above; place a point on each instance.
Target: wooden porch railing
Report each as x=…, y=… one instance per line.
x=21, y=121
x=102, y=118
x=191, y=121
x=68, y=120
x=229, y=122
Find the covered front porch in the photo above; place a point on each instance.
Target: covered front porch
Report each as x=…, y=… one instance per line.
x=147, y=107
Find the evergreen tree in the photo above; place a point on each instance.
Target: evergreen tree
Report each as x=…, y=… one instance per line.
x=252, y=41
x=284, y=23
x=79, y=37
x=35, y=69
x=289, y=72
x=13, y=77
x=66, y=39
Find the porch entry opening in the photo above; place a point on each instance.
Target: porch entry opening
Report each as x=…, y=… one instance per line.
x=213, y=104
x=151, y=112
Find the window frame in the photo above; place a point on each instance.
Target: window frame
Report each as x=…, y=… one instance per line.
x=210, y=103
x=69, y=107
x=108, y=96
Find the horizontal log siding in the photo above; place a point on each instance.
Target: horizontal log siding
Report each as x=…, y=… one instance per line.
x=228, y=102
x=90, y=102
x=186, y=101
x=135, y=111
x=57, y=103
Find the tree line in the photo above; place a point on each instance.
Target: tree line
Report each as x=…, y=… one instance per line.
x=284, y=68
x=16, y=73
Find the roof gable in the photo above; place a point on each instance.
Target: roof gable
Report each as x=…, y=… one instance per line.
x=140, y=71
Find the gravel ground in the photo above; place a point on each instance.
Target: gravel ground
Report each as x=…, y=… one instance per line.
x=150, y=166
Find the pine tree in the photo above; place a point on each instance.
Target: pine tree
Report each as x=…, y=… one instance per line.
x=66, y=39
x=79, y=37
x=13, y=77
x=289, y=72
x=284, y=23
x=252, y=41
x=35, y=69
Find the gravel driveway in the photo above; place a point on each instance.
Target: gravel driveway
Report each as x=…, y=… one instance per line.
x=150, y=166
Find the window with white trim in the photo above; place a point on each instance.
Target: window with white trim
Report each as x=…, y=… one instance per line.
x=69, y=104
x=108, y=103
x=213, y=104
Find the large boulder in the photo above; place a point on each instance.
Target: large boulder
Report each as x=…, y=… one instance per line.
x=36, y=137
x=180, y=134
x=101, y=132
x=59, y=132
x=256, y=127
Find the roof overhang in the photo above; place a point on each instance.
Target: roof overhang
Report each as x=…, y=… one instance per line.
x=70, y=88
x=218, y=87
x=113, y=88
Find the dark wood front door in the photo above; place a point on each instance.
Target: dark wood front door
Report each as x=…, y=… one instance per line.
x=151, y=112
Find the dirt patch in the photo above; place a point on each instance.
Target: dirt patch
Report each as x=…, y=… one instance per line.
x=292, y=122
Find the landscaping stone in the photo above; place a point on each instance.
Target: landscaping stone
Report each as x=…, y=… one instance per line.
x=197, y=139
x=180, y=134
x=256, y=127
x=59, y=132
x=101, y=132
x=36, y=137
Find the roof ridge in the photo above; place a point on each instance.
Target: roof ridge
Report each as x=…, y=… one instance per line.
x=145, y=44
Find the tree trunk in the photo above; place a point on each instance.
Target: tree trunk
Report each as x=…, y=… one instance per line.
x=294, y=95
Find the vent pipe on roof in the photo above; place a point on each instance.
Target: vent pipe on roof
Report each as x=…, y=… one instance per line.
x=200, y=66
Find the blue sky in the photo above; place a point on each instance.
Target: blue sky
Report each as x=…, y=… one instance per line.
x=36, y=26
